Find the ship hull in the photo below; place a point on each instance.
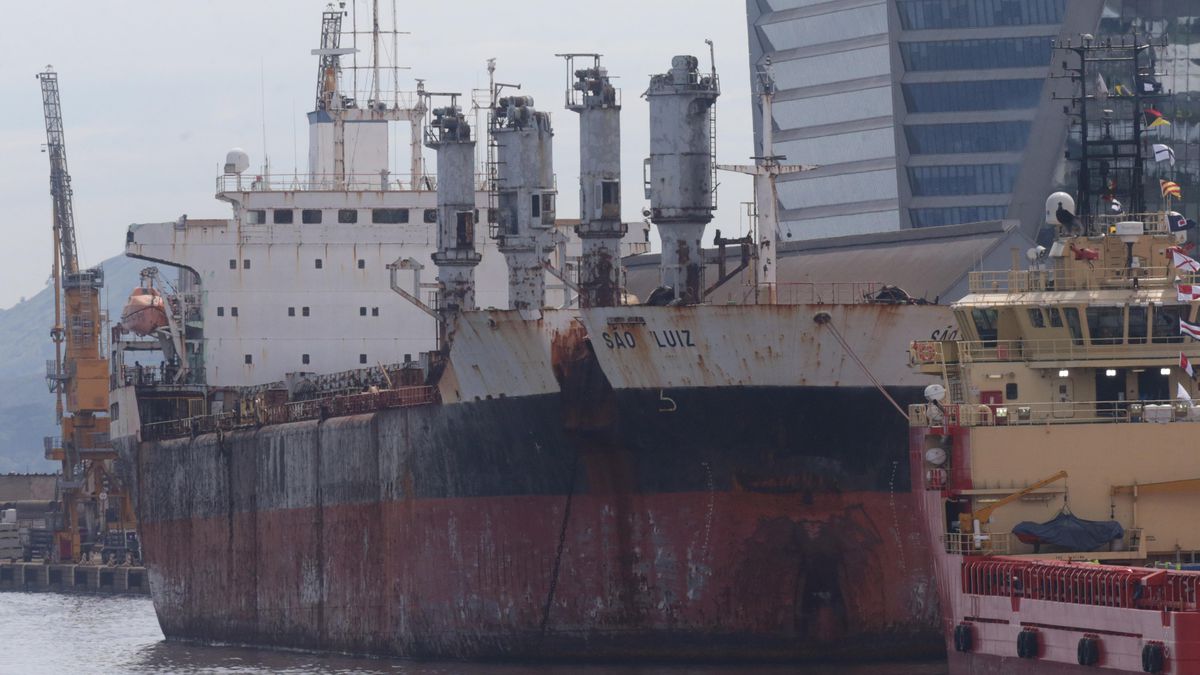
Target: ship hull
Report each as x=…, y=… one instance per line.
x=742, y=523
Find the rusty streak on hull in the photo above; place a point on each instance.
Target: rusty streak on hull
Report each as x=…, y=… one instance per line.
x=433, y=531
x=467, y=578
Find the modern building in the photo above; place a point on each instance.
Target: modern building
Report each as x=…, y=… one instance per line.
x=935, y=112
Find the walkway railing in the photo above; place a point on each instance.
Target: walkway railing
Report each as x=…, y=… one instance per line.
x=348, y=183
x=335, y=406
x=1072, y=279
x=1063, y=412
x=1083, y=584
x=968, y=351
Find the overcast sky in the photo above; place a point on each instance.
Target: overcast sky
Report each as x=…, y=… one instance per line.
x=155, y=92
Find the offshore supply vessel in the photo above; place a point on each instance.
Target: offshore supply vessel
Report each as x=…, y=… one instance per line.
x=1056, y=460
x=585, y=474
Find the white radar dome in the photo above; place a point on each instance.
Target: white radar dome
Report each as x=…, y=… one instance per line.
x=1054, y=202
x=935, y=393
x=236, y=161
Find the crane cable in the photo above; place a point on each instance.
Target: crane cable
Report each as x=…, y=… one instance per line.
x=824, y=319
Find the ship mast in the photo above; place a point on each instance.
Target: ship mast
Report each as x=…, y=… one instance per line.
x=766, y=168
x=1110, y=151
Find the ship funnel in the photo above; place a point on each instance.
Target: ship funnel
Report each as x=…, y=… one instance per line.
x=680, y=180
x=449, y=134
x=600, y=230
x=524, y=196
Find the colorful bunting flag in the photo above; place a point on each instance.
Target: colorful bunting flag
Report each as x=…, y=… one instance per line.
x=1186, y=365
x=1171, y=189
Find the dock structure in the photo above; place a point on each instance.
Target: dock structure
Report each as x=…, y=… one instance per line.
x=41, y=577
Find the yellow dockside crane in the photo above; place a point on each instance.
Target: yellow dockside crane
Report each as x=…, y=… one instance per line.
x=93, y=503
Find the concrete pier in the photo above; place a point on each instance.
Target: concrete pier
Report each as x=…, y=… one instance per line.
x=104, y=580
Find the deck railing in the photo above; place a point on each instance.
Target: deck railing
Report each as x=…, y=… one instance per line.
x=335, y=406
x=1071, y=279
x=348, y=183
x=1063, y=412
x=1082, y=584
x=991, y=351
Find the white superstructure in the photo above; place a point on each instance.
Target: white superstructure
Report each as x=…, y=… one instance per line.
x=297, y=279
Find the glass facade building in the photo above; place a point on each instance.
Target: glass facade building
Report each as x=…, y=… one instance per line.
x=936, y=112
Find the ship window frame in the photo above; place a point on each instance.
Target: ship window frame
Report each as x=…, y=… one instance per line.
x=1102, y=330
x=1054, y=316
x=1170, y=331
x=1133, y=338
x=246, y=263
x=256, y=216
x=389, y=216
x=304, y=311
x=283, y=216
x=233, y=311
x=1011, y=391
x=1036, y=318
x=347, y=216
x=249, y=359
x=430, y=217
x=990, y=334
x=232, y=264
x=311, y=216
x=362, y=311
x=362, y=359
x=374, y=311
x=318, y=264
x=1074, y=324
x=220, y=311
x=305, y=359
x=362, y=264
x=291, y=311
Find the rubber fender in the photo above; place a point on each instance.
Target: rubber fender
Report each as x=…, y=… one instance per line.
x=1152, y=657
x=1088, y=651
x=1027, y=644
x=963, y=637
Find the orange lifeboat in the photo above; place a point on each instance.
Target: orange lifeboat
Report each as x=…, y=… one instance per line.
x=144, y=312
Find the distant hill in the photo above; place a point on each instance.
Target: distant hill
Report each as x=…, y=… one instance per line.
x=26, y=406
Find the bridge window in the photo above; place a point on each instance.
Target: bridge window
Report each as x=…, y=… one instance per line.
x=389, y=216
x=1166, y=324
x=256, y=217
x=1035, y=318
x=347, y=216
x=985, y=324
x=374, y=311
x=283, y=216
x=1106, y=325
x=310, y=216
x=1138, y=319
x=1073, y=325
x=1055, y=317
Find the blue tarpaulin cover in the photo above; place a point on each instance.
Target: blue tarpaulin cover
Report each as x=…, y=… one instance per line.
x=1071, y=533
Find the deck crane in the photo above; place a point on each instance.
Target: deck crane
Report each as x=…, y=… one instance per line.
x=92, y=501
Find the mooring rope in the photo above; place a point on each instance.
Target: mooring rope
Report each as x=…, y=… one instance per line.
x=824, y=319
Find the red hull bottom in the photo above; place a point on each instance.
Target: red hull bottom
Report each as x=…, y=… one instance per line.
x=717, y=575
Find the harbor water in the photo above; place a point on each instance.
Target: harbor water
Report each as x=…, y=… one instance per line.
x=56, y=633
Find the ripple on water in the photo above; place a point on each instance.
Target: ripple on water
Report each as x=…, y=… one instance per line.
x=53, y=633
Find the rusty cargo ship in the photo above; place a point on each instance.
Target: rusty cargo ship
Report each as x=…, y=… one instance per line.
x=357, y=463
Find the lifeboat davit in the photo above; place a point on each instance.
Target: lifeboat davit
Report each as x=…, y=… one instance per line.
x=145, y=311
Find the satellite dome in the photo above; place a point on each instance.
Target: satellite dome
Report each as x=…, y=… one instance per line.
x=1054, y=202
x=935, y=393
x=236, y=161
